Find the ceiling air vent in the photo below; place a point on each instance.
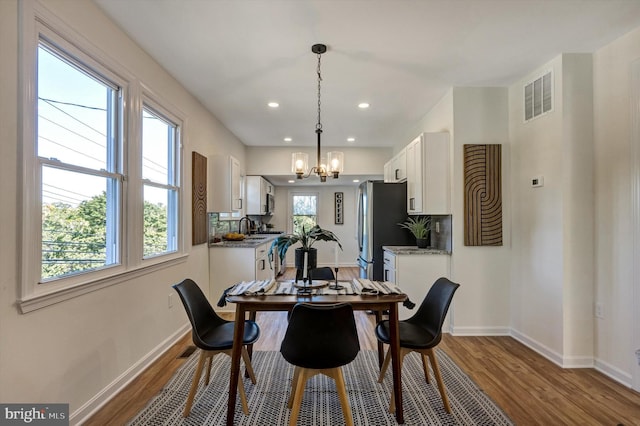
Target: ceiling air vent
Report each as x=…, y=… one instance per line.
x=538, y=97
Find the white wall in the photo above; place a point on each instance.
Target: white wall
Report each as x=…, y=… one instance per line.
x=613, y=221
x=552, y=259
x=346, y=232
x=74, y=350
x=475, y=116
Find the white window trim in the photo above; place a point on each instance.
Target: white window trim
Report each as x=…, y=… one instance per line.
x=290, y=207
x=36, y=20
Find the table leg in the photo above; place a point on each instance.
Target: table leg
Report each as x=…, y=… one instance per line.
x=395, y=360
x=378, y=315
x=238, y=333
x=252, y=317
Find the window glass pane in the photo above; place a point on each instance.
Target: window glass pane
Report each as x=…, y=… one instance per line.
x=160, y=219
x=77, y=235
x=158, y=137
x=304, y=212
x=75, y=114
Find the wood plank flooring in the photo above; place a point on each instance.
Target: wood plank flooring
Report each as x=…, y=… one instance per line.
x=528, y=387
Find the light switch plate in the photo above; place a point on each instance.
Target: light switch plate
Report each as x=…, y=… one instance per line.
x=537, y=181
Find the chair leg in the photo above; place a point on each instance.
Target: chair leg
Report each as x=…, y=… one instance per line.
x=425, y=366
x=294, y=383
x=336, y=374
x=303, y=375
x=194, y=383
x=436, y=373
x=385, y=365
x=210, y=359
x=247, y=364
x=243, y=396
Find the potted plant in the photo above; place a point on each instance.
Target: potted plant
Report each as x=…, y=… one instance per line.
x=419, y=227
x=306, y=237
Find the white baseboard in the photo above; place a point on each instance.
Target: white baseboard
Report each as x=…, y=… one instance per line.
x=614, y=373
x=553, y=356
x=83, y=413
x=480, y=331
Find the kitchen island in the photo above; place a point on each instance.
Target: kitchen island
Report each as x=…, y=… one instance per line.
x=233, y=261
x=414, y=270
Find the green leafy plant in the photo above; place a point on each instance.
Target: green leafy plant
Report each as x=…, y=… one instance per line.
x=306, y=237
x=419, y=226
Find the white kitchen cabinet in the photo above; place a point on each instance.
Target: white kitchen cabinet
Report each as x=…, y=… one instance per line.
x=230, y=265
x=225, y=184
x=415, y=274
x=395, y=170
x=257, y=189
x=428, y=175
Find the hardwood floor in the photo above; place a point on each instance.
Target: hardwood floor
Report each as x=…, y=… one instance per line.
x=528, y=387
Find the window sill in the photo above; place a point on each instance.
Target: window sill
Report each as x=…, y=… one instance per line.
x=39, y=301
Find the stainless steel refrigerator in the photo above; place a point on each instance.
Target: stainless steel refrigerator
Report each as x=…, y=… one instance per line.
x=381, y=206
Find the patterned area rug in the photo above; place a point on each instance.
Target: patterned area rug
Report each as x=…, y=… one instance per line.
x=369, y=400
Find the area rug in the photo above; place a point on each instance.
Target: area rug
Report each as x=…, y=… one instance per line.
x=369, y=399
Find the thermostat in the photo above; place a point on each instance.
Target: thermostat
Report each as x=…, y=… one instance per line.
x=537, y=181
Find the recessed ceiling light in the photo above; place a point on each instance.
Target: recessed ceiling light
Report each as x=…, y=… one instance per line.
x=273, y=104
x=291, y=181
x=288, y=139
x=356, y=180
x=351, y=139
x=363, y=105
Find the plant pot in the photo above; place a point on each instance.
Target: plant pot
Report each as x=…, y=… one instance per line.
x=422, y=242
x=312, y=259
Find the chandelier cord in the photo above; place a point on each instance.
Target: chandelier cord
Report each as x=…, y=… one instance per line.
x=319, y=124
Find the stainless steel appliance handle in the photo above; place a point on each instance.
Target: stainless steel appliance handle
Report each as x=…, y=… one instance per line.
x=360, y=219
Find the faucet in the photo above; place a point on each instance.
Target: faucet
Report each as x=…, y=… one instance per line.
x=248, y=225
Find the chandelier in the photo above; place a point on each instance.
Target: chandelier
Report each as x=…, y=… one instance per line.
x=300, y=160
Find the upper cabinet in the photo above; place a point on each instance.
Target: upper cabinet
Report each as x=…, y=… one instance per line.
x=259, y=195
x=428, y=186
x=395, y=170
x=225, y=183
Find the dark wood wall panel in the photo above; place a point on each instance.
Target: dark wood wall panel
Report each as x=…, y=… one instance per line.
x=483, y=195
x=199, y=229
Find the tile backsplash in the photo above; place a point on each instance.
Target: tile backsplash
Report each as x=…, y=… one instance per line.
x=441, y=232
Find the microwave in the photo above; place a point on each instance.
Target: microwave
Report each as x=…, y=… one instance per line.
x=270, y=205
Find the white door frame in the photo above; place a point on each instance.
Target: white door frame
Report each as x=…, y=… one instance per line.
x=635, y=216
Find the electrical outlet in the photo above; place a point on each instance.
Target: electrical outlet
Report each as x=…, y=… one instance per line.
x=170, y=300
x=599, y=311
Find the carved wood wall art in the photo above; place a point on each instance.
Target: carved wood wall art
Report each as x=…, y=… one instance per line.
x=482, y=195
x=199, y=229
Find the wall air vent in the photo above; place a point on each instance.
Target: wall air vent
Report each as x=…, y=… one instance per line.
x=538, y=97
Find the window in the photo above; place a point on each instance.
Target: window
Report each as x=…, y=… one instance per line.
x=160, y=188
x=101, y=168
x=77, y=152
x=304, y=211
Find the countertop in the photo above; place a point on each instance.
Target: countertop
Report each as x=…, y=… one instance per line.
x=251, y=241
x=414, y=250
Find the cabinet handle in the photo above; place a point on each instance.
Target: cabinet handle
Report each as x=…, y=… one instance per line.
x=412, y=203
x=386, y=275
x=262, y=265
x=240, y=203
x=396, y=173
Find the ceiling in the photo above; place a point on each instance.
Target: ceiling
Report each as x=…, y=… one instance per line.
x=401, y=57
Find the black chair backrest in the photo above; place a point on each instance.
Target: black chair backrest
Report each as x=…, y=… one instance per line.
x=322, y=273
x=321, y=336
x=434, y=307
x=199, y=310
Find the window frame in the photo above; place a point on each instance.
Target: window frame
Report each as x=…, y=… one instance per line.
x=37, y=24
x=290, y=227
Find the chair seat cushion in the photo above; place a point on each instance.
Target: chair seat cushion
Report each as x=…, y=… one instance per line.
x=221, y=336
x=412, y=336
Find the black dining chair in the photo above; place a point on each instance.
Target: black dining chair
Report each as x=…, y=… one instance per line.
x=322, y=273
x=421, y=333
x=319, y=340
x=213, y=335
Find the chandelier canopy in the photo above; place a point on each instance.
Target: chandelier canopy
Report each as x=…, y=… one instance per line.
x=334, y=164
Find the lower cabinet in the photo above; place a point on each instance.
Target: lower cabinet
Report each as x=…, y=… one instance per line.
x=414, y=274
x=230, y=265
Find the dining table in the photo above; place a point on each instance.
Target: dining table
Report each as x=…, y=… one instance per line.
x=246, y=307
